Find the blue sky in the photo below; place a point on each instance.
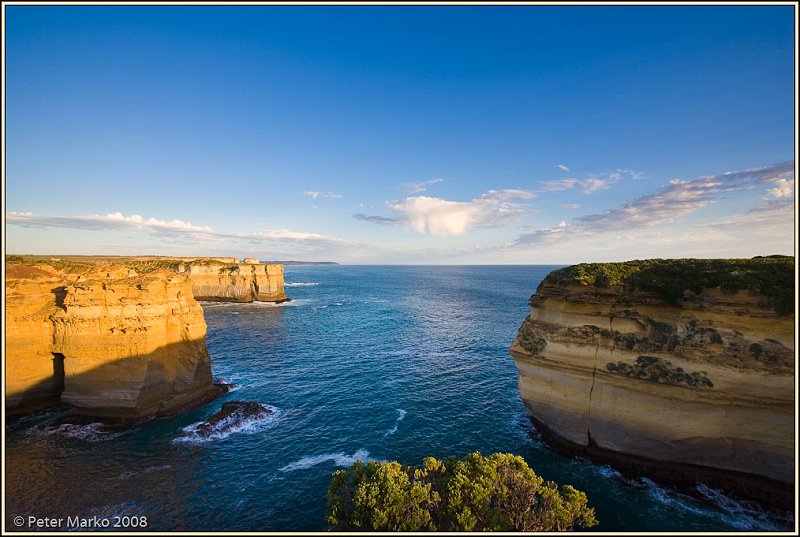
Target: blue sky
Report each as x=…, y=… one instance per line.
x=401, y=134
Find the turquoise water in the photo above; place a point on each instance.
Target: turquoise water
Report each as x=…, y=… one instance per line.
x=384, y=363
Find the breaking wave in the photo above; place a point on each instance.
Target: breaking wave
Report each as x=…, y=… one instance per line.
x=401, y=414
x=338, y=459
x=299, y=284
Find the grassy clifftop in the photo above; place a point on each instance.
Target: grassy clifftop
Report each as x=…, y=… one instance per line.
x=142, y=265
x=771, y=276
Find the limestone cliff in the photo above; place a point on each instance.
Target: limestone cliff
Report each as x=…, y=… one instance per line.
x=682, y=364
x=107, y=340
x=237, y=282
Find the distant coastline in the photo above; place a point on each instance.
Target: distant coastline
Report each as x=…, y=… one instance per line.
x=287, y=263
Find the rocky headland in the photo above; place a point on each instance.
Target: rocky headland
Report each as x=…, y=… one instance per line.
x=122, y=341
x=679, y=369
x=235, y=282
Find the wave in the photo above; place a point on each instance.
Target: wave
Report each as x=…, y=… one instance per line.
x=742, y=515
x=338, y=459
x=401, y=415
x=523, y=428
x=224, y=430
x=608, y=472
x=92, y=432
x=210, y=304
x=299, y=284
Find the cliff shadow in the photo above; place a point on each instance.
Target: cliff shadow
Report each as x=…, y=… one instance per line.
x=167, y=381
x=59, y=294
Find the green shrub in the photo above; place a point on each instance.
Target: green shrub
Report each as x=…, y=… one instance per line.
x=771, y=276
x=499, y=492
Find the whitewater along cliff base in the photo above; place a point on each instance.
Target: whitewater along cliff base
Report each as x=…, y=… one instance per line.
x=679, y=369
x=122, y=341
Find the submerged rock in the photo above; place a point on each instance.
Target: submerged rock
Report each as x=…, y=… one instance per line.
x=232, y=415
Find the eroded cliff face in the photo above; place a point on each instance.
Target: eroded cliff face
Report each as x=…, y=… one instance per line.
x=107, y=340
x=706, y=381
x=241, y=282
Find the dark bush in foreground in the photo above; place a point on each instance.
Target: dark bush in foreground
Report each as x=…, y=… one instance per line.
x=499, y=492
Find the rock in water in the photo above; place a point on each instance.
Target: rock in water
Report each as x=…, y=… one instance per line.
x=232, y=415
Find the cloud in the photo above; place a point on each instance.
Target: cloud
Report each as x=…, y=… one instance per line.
x=508, y=194
x=446, y=218
x=376, y=219
x=785, y=189
x=762, y=219
x=313, y=194
x=172, y=228
x=587, y=186
x=109, y=221
x=591, y=184
x=562, y=168
x=676, y=199
x=296, y=236
x=570, y=206
x=420, y=186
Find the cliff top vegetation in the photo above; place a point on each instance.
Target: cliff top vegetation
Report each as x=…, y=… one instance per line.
x=143, y=265
x=771, y=276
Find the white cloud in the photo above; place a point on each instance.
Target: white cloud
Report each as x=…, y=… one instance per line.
x=172, y=228
x=313, y=194
x=420, y=186
x=109, y=221
x=445, y=218
x=570, y=206
x=296, y=236
x=508, y=194
x=785, y=189
x=438, y=217
x=562, y=168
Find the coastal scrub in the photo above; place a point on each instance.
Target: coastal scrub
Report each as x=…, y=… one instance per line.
x=499, y=492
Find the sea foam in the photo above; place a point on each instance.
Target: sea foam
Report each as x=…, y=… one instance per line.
x=338, y=459
x=245, y=426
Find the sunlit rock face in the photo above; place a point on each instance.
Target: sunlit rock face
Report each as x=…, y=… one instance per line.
x=702, y=377
x=238, y=282
x=107, y=340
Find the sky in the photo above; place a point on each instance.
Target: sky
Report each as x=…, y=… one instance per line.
x=400, y=134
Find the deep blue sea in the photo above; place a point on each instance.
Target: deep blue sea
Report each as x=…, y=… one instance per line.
x=365, y=362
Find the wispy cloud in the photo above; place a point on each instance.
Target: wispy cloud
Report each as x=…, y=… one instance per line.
x=313, y=194
x=570, y=206
x=109, y=221
x=676, y=199
x=562, y=167
x=376, y=219
x=591, y=184
x=420, y=186
x=117, y=221
x=444, y=218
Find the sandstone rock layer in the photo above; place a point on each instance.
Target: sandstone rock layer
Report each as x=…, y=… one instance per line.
x=239, y=282
x=107, y=340
x=705, y=381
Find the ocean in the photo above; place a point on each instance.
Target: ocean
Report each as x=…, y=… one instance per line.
x=365, y=362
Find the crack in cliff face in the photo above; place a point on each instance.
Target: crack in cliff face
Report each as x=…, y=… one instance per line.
x=594, y=375
x=591, y=389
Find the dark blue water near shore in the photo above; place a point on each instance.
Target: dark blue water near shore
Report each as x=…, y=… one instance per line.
x=385, y=363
